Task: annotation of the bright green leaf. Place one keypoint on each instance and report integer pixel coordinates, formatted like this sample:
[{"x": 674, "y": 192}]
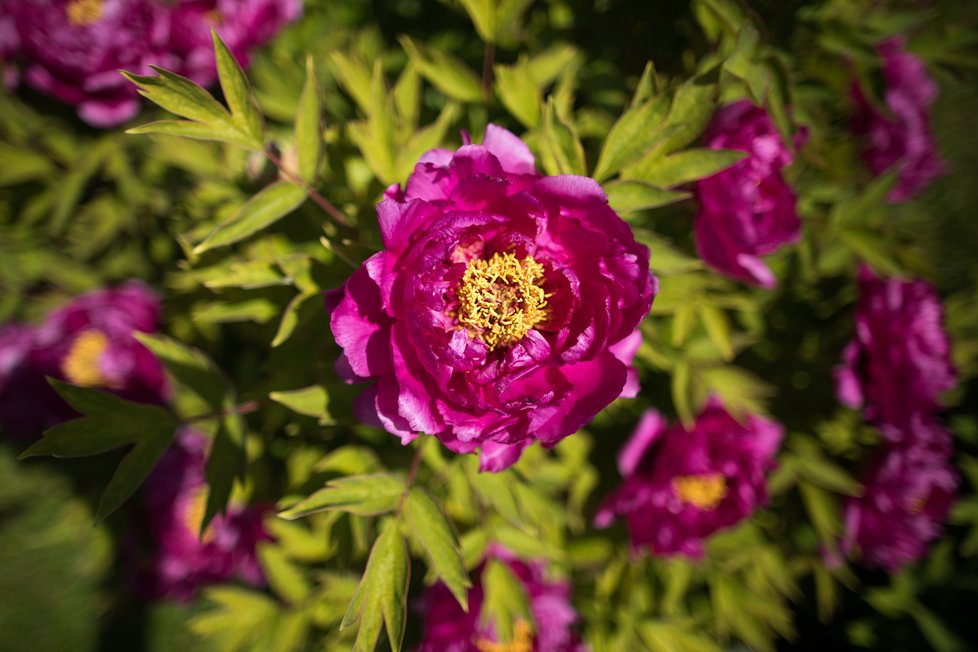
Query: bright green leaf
[
  {"x": 366, "y": 495},
  {"x": 432, "y": 530},
  {"x": 237, "y": 93},
  {"x": 264, "y": 209},
  {"x": 308, "y": 126}
]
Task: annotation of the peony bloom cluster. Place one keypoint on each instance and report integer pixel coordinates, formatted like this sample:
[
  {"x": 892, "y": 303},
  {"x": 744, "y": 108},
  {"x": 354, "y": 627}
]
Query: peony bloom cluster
[
  {"x": 88, "y": 342},
  {"x": 503, "y": 309},
  {"x": 175, "y": 498},
  {"x": 747, "y": 210},
  {"x": 74, "y": 49},
  {"x": 902, "y": 137},
  {"x": 682, "y": 485},
  {"x": 449, "y": 629},
  {"x": 895, "y": 368}
]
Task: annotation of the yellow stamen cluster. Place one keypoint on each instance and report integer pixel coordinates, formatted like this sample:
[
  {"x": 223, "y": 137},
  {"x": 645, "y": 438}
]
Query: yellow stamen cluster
[
  {"x": 704, "y": 492},
  {"x": 194, "y": 515},
  {"x": 501, "y": 299},
  {"x": 81, "y": 365},
  {"x": 522, "y": 640},
  {"x": 84, "y": 12}
]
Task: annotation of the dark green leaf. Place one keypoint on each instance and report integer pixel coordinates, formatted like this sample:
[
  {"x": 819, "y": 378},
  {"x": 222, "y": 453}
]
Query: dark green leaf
[
  {"x": 435, "y": 534},
  {"x": 237, "y": 92},
  {"x": 632, "y": 136}
]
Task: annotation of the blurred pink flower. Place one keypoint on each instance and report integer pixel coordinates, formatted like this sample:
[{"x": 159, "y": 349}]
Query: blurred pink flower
[
  {"x": 449, "y": 629},
  {"x": 682, "y": 485},
  {"x": 902, "y": 137},
  {"x": 503, "y": 309},
  {"x": 747, "y": 210},
  {"x": 88, "y": 342}
]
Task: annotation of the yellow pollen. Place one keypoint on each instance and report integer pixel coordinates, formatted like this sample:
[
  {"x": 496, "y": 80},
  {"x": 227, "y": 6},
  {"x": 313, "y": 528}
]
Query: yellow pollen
[
  {"x": 81, "y": 365},
  {"x": 522, "y": 640},
  {"x": 84, "y": 12},
  {"x": 704, "y": 492},
  {"x": 501, "y": 299},
  {"x": 194, "y": 515}
]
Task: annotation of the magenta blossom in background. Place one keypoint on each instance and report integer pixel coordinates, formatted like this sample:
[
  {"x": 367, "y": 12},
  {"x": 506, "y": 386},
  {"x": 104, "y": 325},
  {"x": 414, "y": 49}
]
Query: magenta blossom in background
[
  {"x": 899, "y": 361},
  {"x": 503, "y": 309},
  {"x": 682, "y": 485},
  {"x": 747, "y": 210},
  {"x": 88, "y": 342},
  {"x": 449, "y": 629},
  {"x": 908, "y": 493},
  {"x": 74, "y": 49},
  {"x": 903, "y": 137},
  {"x": 175, "y": 498}
]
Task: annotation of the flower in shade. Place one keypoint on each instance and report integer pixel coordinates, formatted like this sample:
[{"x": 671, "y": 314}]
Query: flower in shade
[
  {"x": 908, "y": 492},
  {"x": 449, "y": 629},
  {"x": 902, "y": 136},
  {"x": 899, "y": 361},
  {"x": 175, "y": 498},
  {"x": 503, "y": 309},
  {"x": 747, "y": 210},
  {"x": 74, "y": 49},
  {"x": 683, "y": 485},
  {"x": 88, "y": 342}
]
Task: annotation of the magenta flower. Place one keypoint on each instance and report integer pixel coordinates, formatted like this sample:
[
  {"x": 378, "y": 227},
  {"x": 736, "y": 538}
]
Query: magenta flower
[
  {"x": 503, "y": 309},
  {"x": 449, "y": 629},
  {"x": 908, "y": 494},
  {"x": 747, "y": 210},
  {"x": 74, "y": 49},
  {"x": 899, "y": 361},
  {"x": 901, "y": 138},
  {"x": 175, "y": 498},
  {"x": 88, "y": 342},
  {"x": 682, "y": 485}
]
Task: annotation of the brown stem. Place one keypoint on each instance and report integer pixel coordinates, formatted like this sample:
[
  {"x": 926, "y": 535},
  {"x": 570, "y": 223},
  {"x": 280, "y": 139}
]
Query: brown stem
[
  {"x": 241, "y": 410},
  {"x": 412, "y": 473},
  {"x": 488, "y": 55},
  {"x": 323, "y": 203}
]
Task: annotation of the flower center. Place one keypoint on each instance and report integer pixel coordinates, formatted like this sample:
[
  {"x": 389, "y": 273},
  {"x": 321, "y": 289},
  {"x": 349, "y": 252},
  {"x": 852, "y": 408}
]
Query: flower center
[
  {"x": 701, "y": 491},
  {"x": 83, "y": 12},
  {"x": 501, "y": 299},
  {"x": 522, "y": 640},
  {"x": 81, "y": 365}
]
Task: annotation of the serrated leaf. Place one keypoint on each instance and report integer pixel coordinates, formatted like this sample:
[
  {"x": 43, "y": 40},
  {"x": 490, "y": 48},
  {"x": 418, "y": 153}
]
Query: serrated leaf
[
  {"x": 237, "y": 93},
  {"x": 287, "y": 580},
  {"x": 630, "y": 195},
  {"x": 311, "y": 401},
  {"x": 179, "y": 95},
  {"x": 381, "y": 597},
  {"x": 445, "y": 72},
  {"x": 261, "y": 211},
  {"x": 432, "y": 530},
  {"x": 366, "y": 495},
  {"x": 308, "y": 126},
  {"x": 632, "y": 136},
  {"x": 519, "y": 92}
]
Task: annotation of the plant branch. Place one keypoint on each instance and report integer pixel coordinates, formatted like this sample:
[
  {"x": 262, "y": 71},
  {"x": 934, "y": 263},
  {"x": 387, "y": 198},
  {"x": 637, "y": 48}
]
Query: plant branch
[
  {"x": 323, "y": 203},
  {"x": 488, "y": 56},
  {"x": 412, "y": 473}
]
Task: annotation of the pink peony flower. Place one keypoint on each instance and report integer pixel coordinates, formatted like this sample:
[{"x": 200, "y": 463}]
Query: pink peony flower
[
  {"x": 449, "y": 629},
  {"x": 908, "y": 494},
  {"x": 747, "y": 210},
  {"x": 74, "y": 49},
  {"x": 175, "y": 498},
  {"x": 899, "y": 362},
  {"x": 682, "y": 485},
  {"x": 88, "y": 342},
  {"x": 503, "y": 309},
  {"x": 903, "y": 137}
]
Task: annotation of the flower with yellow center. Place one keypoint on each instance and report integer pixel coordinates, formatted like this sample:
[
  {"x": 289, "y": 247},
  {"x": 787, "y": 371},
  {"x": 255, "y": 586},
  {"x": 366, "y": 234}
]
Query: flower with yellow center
[
  {"x": 522, "y": 640},
  {"x": 501, "y": 299},
  {"x": 82, "y": 364},
  {"x": 704, "y": 491},
  {"x": 84, "y": 12}
]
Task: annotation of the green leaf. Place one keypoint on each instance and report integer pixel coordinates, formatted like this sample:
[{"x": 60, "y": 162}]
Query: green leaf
[
  {"x": 820, "y": 471},
  {"x": 548, "y": 65},
  {"x": 630, "y": 195},
  {"x": 382, "y": 594},
  {"x": 237, "y": 92},
  {"x": 432, "y": 530},
  {"x": 632, "y": 137},
  {"x": 258, "y": 310},
  {"x": 519, "y": 92},
  {"x": 718, "y": 329},
  {"x": 264, "y": 209},
  {"x": 822, "y": 510},
  {"x": 179, "y": 95},
  {"x": 688, "y": 165},
  {"x": 682, "y": 393},
  {"x": 646, "y": 86},
  {"x": 561, "y": 139},
  {"x": 109, "y": 422},
  {"x": 219, "y": 131},
  {"x": 366, "y": 495},
  {"x": 354, "y": 76},
  {"x": 308, "y": 126},
  {"x": 506, "y": 601},
  {"x": 311, "y": 401},
  {"x": 287, "y": 580},
  {"x": 872, "y": 247},
  {"x": 445, "y": 72},
  {"x": 691, "y": 110}
]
